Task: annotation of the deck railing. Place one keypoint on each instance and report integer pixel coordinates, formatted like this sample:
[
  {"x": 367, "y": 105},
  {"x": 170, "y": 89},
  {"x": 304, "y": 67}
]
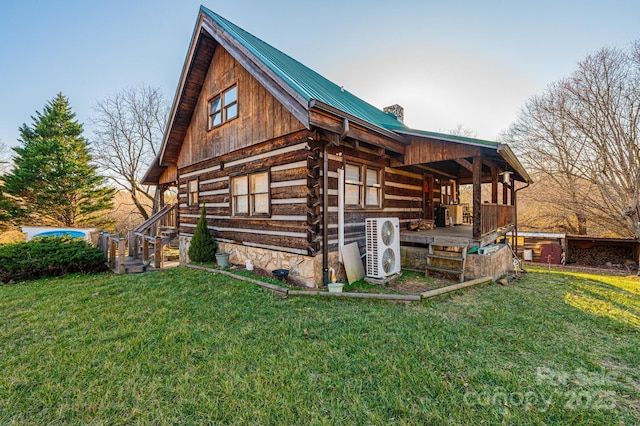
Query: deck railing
[{"x": 496, "y": 216}]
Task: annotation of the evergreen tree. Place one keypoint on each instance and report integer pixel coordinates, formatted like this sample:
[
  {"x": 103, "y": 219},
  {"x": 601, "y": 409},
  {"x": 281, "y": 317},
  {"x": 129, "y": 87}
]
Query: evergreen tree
[
  {"x": 203, "y": 246},
  {"x": 53, "y": 181}
]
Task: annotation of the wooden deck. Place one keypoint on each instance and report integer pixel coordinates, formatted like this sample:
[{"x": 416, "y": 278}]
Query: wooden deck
[
  {"x": 452, "y": 234},
  {"x": 460, "y": 233}
]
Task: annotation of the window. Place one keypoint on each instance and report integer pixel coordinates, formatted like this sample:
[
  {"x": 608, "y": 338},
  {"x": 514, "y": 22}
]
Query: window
[
  {"x": 352, "y": 185},
  {"x": 373, "y": 188},
  {"x": 223, "y": 107},
  {"x": 240, "y": 195},
  {"x": 192, "y": 191},
  {"x": 361, "y": 192},
  {"x": 250, "y": 194}
]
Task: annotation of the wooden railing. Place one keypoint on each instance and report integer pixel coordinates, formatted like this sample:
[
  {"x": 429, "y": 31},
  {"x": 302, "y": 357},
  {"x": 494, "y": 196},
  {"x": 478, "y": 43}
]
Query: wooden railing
[
  {"x": 114, "y": 250},
  {"x": 158, "y": 244},
  {"x": 496, "y": 216},
  {"x": 164, "y": 218}
]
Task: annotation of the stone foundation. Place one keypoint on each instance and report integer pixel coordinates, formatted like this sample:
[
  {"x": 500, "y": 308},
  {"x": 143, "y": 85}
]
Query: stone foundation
[
  {"x": 306, "y": 269},
  {"x": 477, "y": 265}
]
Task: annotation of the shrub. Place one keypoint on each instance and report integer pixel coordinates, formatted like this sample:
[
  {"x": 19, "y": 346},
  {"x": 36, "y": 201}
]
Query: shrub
[
  {"x": 203, "y": 246},
  {"x": 49, "y": 256}
]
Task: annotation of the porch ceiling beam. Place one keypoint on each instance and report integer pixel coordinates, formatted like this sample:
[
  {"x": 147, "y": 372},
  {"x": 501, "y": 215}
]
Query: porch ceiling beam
[
  {"x": 490, "y": 164},
  {"x": 469, "y": 180},
  {"x": 436, "y": 171},
  {"x": 464, "y": 163}
]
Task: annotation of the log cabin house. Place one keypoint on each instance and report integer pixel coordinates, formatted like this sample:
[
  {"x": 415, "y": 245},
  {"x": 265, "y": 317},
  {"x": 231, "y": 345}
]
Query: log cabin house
[{"x": 260, "y": 138}]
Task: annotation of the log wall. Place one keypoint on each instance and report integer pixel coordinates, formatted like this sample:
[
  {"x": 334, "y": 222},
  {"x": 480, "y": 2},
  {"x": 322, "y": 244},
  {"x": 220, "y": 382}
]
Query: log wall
[
  {"x": 286, "y": 228},
  {"x": 402, "y": 194}
]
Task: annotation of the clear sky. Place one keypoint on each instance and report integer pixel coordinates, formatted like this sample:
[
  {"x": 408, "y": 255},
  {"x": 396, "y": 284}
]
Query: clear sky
[{"x": 454, "y": 62}]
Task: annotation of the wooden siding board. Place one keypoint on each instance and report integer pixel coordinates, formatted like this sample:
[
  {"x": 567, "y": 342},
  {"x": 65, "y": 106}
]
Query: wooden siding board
[{"x": 256, "y": 112}]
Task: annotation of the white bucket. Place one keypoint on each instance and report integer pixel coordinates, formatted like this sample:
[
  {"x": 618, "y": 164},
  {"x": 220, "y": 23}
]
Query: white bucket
[{"x": 335, "y": 287}]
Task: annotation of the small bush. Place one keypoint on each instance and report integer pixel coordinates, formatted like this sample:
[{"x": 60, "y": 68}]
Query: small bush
[
  {"x": 203, "y": 246},
  {"x": 48, "y": 256}
]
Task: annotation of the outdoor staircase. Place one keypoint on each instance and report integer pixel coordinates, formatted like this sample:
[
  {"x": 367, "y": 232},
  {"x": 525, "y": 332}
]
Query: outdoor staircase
[
  {"x": 148, "y": 238},
  {"x": 448, "y": 257},
  {"x": 154, "y": 219}
]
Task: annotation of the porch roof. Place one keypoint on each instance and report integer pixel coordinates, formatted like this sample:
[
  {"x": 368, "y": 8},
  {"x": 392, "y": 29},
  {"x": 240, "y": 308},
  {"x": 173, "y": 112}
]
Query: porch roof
[{"x": 452, "y": 152}]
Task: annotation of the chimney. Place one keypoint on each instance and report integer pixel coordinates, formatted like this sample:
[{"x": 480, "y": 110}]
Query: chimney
[{"x": 396, "y": 110}]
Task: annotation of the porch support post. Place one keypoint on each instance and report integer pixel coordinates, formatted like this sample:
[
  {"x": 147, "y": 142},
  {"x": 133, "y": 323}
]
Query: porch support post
[
  {"x": 513, "y": 193},
  {"x": 477, "y": 197},
  {"x": 504, "y": 195},
  {"x": 494, "y": 185}
]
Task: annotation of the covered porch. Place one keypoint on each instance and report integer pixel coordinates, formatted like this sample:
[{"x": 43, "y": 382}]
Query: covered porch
[{"x": 469, "y": 188}]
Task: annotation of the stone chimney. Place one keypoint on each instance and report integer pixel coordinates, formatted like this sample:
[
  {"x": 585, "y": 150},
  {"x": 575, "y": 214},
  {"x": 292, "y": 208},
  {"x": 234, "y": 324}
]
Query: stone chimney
[{"x": 396, "y": 110}]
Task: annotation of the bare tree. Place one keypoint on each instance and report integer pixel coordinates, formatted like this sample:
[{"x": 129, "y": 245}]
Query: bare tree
[
  {"x": 4, "y": 159},
  {"x": 460, "y": 130},
  {"x": 128, "y": 129},
  {"x": 581, "y": 137}
]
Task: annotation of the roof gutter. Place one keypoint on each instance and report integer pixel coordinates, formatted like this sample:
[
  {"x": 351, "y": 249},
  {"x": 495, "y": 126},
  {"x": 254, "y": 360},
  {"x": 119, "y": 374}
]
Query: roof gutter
[
  {"x": 444, "y": 138},
  {"x": 314, "y": 103},
  {"x": 508, "y": 155}
]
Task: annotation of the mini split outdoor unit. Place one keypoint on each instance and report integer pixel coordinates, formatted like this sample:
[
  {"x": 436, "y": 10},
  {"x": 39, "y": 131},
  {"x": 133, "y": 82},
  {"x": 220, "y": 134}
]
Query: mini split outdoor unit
[{"x": 383, "y": 247}]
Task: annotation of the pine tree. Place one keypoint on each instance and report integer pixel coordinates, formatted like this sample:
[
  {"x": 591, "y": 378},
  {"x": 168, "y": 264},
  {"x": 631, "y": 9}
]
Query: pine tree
[
  {"x": 203, "y": 246},
  {"x": 53, "y": 181}
]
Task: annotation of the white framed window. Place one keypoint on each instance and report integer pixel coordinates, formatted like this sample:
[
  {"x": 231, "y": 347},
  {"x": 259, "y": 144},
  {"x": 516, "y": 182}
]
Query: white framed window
[
  {"x": 250, "y": 194},
  {"x": 362, "y": 186},
  {"x": 223, "y": 107},
  {"x": 240, "y": 195}
]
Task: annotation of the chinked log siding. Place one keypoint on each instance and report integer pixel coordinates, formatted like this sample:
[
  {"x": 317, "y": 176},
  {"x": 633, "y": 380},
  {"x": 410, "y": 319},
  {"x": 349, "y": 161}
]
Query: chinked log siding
[
  {"x": 402, "y": 194},
  {"x": 286, "y": 228}
]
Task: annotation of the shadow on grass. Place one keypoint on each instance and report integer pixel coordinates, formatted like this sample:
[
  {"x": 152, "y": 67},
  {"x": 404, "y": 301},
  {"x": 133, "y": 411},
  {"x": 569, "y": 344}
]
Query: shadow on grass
[{"x": 615, "y": 297}]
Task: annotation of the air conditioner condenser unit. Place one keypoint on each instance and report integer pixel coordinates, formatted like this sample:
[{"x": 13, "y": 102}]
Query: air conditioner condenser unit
[{"x": 383, "y": 246}]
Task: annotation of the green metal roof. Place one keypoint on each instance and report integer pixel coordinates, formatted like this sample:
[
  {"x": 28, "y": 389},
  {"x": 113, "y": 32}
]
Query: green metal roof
[
  {"x": 452, "y": 138},
  {"x": 305, "y": 81}
]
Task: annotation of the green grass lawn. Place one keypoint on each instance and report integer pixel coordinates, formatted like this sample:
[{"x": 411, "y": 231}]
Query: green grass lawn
[{"x": 187, "y": 347}]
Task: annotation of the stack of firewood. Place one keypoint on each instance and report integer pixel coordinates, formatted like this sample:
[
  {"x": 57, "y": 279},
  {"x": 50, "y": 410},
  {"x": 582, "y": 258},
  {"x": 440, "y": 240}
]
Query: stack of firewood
[{"x": 601, "y": 257}]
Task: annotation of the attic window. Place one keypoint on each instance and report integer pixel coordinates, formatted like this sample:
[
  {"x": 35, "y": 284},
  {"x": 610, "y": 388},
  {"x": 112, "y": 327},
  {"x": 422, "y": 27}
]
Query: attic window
[{"x": 223, "y": 107}]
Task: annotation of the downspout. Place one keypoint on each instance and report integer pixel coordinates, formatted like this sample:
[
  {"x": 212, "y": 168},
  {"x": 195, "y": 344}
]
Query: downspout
[
  {"x": 340, "y": 213},
  {"x": 515, "y": 214},
  {"x": 325, "y": 200},
  {"x": 325, "y": 214}
]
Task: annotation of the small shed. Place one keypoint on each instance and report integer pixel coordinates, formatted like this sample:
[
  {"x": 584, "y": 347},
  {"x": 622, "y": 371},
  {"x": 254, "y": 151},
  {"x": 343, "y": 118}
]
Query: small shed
[
  {"x": 535, "y": 242},
  {"x": 601, "y": 252}
]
